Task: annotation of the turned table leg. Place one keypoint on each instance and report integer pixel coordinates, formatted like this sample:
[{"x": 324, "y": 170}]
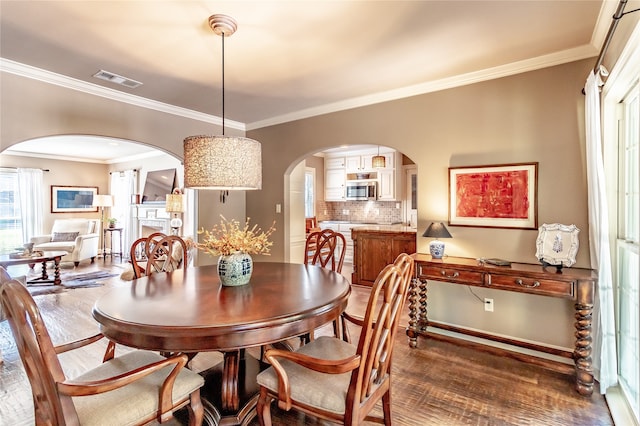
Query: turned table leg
[
  {"x": 582, "y": 352},
  {"x": 44, "y": 276},
  {"x": 413, "y": 314},
  {"x": 417, "y": 311},
  {"x": 56, "y": 270}
]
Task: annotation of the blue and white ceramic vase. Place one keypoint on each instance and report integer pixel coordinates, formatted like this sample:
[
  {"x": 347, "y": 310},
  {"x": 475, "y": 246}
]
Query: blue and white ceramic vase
[{"x": 235, "y": 269}]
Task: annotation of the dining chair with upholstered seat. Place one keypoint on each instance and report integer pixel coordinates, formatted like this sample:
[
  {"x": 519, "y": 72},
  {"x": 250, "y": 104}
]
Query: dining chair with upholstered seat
[
  {"x": 335, "y": 380},
  {"x": 166, "y": 255},
  {"x": 139, "y": 252},
  {"x": 158, "y": 253},
  {"x": 326, "y": 248},
  {"x": 135, "y": 388},
  {"x": 405, "y": 263}
]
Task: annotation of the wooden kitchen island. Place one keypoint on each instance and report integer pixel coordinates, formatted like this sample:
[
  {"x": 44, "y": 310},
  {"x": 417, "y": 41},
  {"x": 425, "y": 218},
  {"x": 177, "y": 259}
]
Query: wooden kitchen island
[{"x": 376, "y": 246}]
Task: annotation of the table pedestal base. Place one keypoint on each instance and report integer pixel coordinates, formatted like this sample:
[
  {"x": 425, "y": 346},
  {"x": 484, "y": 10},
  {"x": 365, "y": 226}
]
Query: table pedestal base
[{"x": 230, "y": 392}]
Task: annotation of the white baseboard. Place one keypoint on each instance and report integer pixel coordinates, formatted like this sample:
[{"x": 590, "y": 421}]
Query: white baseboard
[{"x": 619, "y": 408}]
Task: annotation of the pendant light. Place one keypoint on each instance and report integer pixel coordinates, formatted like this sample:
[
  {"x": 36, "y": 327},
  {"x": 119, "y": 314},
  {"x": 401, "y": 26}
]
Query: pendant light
[
  {"x": 222, "y": 162},
  {"x": 378, "y": 161}
]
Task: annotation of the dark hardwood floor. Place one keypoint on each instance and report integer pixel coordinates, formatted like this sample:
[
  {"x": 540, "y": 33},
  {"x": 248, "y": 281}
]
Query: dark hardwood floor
[{"x": 442, "y": 382}]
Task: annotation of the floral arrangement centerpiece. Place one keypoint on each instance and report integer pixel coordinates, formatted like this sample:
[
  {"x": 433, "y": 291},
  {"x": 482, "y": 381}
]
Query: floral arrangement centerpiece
[{"x": 235, "y": 244}]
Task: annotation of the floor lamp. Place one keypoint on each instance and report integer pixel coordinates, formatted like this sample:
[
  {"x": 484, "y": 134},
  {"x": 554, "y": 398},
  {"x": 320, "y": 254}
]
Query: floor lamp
[{"x": 102, "y": 201}]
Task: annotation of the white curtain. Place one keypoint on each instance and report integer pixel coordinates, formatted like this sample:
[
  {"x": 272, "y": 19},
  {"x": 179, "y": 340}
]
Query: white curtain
[
  {"x": 604, "y": 348},
  {"x": 123, "y": 187},
  {"x": 30, "y": 183}
]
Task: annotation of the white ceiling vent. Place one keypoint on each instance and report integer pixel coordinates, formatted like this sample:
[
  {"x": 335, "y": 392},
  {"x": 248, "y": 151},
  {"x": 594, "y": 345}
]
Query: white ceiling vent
[{"x": 118, "y": 79}]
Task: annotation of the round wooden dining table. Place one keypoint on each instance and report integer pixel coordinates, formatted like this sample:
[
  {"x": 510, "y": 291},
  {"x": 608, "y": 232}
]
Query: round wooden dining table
[{"x": 189, "y": 311}]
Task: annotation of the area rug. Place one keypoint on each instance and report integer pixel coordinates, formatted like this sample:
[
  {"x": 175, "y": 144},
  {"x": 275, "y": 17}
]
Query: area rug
[
  {"x": 87, "y": 279},
  {"x": 72, "y": 281}
]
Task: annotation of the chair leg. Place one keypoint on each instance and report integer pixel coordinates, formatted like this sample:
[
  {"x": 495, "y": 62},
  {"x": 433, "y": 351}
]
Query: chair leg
[
  {"x": 195, "y": 409},
  {"x": 346, "y": 336},
  {"x": 386, "y": 407},
  {"x": 264, "y": 407}
]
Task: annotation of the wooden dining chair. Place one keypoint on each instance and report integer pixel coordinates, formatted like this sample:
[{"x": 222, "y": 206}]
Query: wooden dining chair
[
  {"x": 334, "y": 380},
  {"x": 135, "y": 388},
  {"x": 310, "y": 224},
  {"x": 325, "y": 248},
  {"x": 405, "y": 263},
  {"x": 140, "y": 250},
  {"x": 166, "y": 255},
  {"x": 158, "y": 253}
]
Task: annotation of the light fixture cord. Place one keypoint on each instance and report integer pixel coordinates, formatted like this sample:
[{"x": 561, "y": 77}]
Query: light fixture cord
[{"x": 223, "y": 83}]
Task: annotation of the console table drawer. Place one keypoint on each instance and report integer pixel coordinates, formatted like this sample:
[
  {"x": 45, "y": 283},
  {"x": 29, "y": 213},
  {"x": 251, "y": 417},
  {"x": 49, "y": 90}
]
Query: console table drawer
[
  {"x": 450, "y": 274},
  {"x": 531, "y": 285}
]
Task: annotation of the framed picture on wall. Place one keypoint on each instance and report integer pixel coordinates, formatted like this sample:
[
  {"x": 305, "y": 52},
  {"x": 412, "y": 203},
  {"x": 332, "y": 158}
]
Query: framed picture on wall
[
  {"x": 557, "y": 244},
  {"x": 494, "y": 196},
  {"x": 71, "y": 199}
]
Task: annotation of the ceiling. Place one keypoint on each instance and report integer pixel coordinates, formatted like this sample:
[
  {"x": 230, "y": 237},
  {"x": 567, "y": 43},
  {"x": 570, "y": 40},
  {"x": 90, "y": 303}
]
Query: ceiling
[{"x": 295, "y": 59}]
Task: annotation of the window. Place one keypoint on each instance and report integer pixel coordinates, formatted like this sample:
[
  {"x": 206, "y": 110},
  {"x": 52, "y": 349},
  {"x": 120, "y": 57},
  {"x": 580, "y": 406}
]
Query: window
[
  {"x": 309, "y": 192},
  {"x": 628, "y": 250},
  {"x": 10, "y": 218}
]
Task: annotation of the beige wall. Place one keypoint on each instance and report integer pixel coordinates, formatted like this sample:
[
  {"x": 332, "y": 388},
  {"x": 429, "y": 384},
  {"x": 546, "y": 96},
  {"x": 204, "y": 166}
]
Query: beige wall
[
  {"x": 531, "y": 117},
  {"x": 535, "y": 116},
  {"x": 33, "y": 109},
  {"x": 64, "y": 173}
]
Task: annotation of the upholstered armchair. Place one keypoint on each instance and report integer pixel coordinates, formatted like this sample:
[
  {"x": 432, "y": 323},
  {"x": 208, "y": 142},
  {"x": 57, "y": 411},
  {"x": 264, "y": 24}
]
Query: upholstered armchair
[{"x": 80, "y": 238}]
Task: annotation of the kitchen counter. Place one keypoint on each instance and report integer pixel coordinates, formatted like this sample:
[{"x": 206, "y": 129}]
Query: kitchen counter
[
  {"x": 384, "y": 228},
  {"x": 345, "y": 227}
]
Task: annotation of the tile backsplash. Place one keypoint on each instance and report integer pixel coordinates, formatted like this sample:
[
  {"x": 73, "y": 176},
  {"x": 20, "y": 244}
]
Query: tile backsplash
[{"x": 360, "y": 211}]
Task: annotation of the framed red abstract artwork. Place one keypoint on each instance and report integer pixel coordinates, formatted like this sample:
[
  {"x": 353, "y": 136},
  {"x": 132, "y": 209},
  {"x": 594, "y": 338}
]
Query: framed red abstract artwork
[{"x": 495, "y": 196}]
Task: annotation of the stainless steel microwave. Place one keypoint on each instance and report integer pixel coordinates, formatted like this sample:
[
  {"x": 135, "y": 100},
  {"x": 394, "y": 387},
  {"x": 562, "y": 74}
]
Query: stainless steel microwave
[{"x": 362, "y": 190}]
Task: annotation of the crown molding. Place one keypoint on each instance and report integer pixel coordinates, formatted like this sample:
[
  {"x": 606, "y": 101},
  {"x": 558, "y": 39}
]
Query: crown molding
[
  {"x": 45, "y": 76},
  {"x": 557, "y": 58},
  {"x": 145, "y": 156}
]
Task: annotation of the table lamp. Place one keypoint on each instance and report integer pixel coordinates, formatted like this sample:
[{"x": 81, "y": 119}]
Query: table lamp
[
  {"x": 175, "y": 205},
  {"x": 436, "y": 247}
]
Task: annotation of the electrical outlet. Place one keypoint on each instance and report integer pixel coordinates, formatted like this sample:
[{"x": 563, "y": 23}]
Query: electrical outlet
[{"x": 488, "y": 305}]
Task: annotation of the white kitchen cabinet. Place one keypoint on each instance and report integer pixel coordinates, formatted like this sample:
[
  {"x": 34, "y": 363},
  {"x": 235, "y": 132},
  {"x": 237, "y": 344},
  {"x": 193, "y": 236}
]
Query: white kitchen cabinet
[
  {"x": 359, "y": 163},
  {"x": 334, "y": 182},
  {"x": 390, "y": 179},
  {"x": 334, "y": 163},
  {"x": 386, "y": 185},
  {"x": 389, "y": 160},
  {"x": 345, "y": 229}
]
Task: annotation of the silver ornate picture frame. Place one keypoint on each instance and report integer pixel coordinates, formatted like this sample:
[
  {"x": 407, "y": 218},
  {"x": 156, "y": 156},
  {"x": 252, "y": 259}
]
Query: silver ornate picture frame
[{"x": 557, "y": 244}]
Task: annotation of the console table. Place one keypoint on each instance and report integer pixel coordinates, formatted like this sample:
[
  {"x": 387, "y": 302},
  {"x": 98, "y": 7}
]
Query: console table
[{"x": 570, "y": 283}]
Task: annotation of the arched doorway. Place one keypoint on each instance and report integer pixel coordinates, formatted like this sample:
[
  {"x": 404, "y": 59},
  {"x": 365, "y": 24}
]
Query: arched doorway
[
  {"x": 91, "y": 161},
  {"x": 391, "y": 210}
]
